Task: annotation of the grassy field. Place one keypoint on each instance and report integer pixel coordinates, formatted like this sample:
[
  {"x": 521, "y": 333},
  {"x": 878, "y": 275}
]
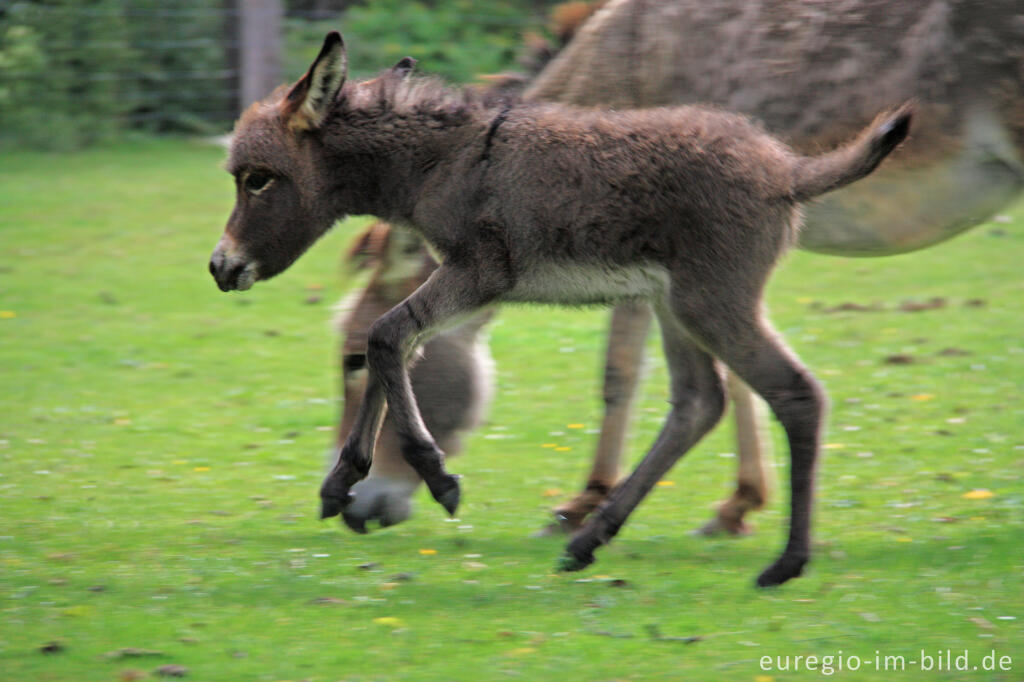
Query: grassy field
[{"x": 162, "y": 443}]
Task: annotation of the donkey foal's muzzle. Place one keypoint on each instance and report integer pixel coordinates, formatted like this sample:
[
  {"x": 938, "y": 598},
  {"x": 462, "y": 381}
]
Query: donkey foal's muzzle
[{"x": 231, "y": 272}]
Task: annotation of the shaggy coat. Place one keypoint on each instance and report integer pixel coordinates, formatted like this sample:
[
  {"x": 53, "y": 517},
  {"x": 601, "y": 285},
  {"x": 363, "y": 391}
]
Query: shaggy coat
[{"x": 685, "y": 207}]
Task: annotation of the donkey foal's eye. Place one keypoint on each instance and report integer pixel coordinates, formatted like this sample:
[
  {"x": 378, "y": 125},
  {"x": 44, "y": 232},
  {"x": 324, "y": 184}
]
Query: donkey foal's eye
[{"x": 254, "y": 182}]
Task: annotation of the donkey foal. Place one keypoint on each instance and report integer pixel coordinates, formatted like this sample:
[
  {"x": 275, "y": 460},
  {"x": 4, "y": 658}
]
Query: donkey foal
[{"x": 685, "y": 207}]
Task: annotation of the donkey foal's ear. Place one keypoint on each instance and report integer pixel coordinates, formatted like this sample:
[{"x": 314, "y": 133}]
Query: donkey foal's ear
[{"x": 306, "y": 104}]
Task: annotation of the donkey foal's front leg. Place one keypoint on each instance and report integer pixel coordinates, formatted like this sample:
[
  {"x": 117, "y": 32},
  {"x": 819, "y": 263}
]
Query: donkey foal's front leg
[
  {"x": 444, "y": 296},
  {"x": 353, "y": 462}
]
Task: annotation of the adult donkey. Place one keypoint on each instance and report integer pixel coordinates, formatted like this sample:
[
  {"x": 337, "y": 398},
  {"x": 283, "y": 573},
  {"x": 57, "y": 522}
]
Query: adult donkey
[
  {"x": 811, "y": 72},
  {"x": 685, "y": 207}
]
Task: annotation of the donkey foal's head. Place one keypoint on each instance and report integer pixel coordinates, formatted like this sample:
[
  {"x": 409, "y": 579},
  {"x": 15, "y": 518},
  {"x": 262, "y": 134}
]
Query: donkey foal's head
[{"x": 282, "y": 190}]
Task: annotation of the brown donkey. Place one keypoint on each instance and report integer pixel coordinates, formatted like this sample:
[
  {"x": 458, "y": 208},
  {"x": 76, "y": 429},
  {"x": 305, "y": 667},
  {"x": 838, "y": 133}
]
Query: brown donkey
[{"x": 685, "y": 207}]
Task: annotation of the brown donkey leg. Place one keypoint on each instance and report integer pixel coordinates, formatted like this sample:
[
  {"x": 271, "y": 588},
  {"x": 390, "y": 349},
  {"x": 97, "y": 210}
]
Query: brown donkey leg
[
  {"x": 630, "y": 324},
  {"x": 355, "y": 455},
  {"x": 747, "y": 344},
  {"x": 698, "y": 401},
  {"x": 753, "y": 482}
]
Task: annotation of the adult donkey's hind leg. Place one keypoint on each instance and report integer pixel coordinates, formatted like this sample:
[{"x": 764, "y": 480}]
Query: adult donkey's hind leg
[
  {"x": 698, "y": 401},
  {"x": 447, "y": 295},
  {"x": 753, "y": 449},
  {"x": 630, "y": 322}
]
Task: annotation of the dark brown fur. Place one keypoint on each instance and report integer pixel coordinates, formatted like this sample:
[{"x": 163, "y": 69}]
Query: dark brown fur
[
  {"x": 814, "y": 74},
  {"x": 686, "y": 207}
]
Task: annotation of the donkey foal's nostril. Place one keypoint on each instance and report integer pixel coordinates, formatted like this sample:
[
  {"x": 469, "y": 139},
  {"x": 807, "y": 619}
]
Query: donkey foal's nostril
[{"x": 233, "y": 274}]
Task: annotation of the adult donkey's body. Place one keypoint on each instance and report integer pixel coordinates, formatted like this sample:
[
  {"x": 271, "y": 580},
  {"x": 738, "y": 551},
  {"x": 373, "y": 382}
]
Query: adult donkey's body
[
  {"x": 811, "y": 72},
  {"x": 685, "y": 207}
]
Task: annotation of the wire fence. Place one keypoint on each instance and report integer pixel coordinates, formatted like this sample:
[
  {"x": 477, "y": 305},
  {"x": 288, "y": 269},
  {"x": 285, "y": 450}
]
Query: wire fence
[{"x": 74, "y": 71}]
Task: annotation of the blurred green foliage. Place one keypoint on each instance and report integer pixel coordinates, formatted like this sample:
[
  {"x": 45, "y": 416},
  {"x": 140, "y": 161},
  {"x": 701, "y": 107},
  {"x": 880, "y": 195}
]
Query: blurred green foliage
[
  {"x": 50, "y": 60},
  {"x": 456, "y": 39},
  {"x": 77, "y": 72}
]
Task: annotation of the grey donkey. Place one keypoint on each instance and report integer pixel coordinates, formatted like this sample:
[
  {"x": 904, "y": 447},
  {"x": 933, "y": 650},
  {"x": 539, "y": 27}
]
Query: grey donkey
[
  {"x": 685, "y": 207},
  {"x": 452, "y": 379}
]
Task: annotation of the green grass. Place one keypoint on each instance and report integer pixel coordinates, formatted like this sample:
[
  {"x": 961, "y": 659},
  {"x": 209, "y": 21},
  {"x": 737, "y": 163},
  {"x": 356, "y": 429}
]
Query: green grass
[{"x": 161, "y": 446}]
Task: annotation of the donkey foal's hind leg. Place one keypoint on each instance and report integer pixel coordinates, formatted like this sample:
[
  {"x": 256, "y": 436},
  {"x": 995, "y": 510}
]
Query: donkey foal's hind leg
[
  {"x": 698, "y": 401},
  {"x": 747, "y": 344}
]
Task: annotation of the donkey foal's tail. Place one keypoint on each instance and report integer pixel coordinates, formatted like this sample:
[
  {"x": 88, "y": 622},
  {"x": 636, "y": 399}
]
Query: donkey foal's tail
[{"x": 819, "y": 174}]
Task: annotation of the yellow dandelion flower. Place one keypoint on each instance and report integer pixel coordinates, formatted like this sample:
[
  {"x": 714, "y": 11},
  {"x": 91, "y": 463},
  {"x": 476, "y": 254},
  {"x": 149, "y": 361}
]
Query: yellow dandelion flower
[
  {"x": 7, "y": 314},
  {"x": 666, "y": 484},
  {"x": 979, "y": 494},
  {"x": 201, "y": 469},
  {"x": 564, "y": 448},
  {"x": 574, "y": 426},
  {"x": 922, "y": 397},
  {"x": 390, "y": 621},
  {"x": 428, "y": 552}
]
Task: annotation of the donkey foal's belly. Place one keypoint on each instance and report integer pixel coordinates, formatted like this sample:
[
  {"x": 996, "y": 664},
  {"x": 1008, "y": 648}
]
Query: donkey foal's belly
[{"x": 587, "y": 284}]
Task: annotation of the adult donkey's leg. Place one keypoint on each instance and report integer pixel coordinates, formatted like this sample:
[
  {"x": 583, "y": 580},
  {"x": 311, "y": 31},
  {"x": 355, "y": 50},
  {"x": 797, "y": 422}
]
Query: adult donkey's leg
[
  {"x": 698, "y": 401},
  {"x": 753, "y": 482},
  {"x": 448, "y": 294},
  {"x": 630, "y": 324}
]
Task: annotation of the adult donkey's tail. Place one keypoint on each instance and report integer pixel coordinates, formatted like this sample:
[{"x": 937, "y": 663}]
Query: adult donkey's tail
[{"x": 816, "y": 175}]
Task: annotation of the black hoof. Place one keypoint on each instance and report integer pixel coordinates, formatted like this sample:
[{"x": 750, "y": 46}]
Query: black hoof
[
  {"x": 335, "y": 492},
  {"x": 570, "y": 563},
  {"x": 782, "y": 570},
  {"x": 329, "y": 507},
  {"x": 447, "y": 493},
  {"x": 333, "y": 503}
]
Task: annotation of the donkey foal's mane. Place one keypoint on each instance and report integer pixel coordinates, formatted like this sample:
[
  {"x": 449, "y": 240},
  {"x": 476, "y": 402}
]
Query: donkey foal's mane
[{"x": 419, "y": 95}]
